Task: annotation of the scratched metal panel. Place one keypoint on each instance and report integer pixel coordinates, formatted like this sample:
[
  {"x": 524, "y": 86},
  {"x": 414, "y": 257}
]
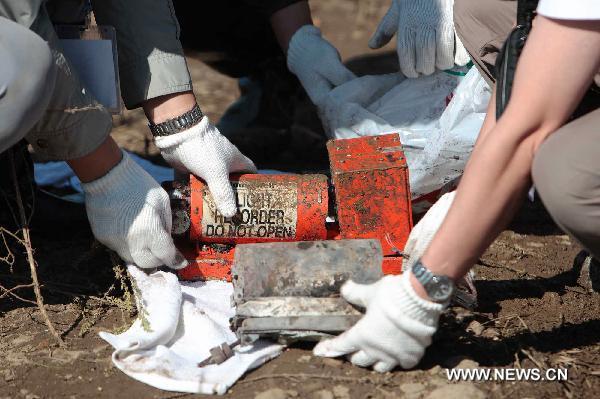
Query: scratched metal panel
[{"x": 306, "y": 268}]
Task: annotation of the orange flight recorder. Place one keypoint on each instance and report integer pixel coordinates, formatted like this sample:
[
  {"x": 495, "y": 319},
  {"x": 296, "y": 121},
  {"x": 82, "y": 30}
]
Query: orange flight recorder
[{"x": 366, "y": 195}]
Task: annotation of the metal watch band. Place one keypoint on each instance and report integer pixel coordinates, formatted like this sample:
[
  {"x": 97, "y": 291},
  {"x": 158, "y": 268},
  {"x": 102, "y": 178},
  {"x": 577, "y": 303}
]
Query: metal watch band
[
  {"x": 439, "y": 288},
  {"x": 178, "y": 124}
]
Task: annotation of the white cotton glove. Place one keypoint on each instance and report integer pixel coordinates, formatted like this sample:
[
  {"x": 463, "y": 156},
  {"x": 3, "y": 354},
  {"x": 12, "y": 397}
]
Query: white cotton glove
[
  {"x": 130, "y": 213},
  {"x": 395, "y": 330},
  {"x": 316, "y": 63},
  {"x": 425, "y": 36},
  {"x": 205, "y": 152}
]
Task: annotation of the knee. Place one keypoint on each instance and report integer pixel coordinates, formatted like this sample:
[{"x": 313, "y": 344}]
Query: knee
[
  {"x": 38, "y": 79},
  {"x": 27, "y": 81},
  {"x": 567, "y": 191},
  {"x": 467, "y": 11}
]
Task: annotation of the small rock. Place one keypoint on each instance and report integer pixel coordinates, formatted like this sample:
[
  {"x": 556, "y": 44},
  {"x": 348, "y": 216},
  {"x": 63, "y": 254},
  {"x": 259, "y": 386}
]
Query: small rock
[
  {"x": 475, "y": 327},
  {"x": 276, "y": 393},
  {"x": 341, "y": 392},
  {"x": 412, "y": 387},
  {"x": 536, "y": 244},
  {"x": 438, "y": 382},
  {"x": 332, "y": 362},
  {"x": 323, "y": 394},
  {"x": 304, "y": 359},
  {"x": 452, "y": 362},
  {"x": 491, "y": 333},
  {"x": 457, "y": 391},
  {"x": 28, "y": 395},
  {"x": 21, "y": 339},
  {"x": 67, "y": 377},
  {"x": 8, "y": 375},
  {"x": 467, "y": 364},
  {"x": 100, "y": 348},
  {"x": 66, "y": 356},
  {"x": 462, "y": 314},
  {"x": 589, "y": 276},
  {"x": 435, "y": 370}
]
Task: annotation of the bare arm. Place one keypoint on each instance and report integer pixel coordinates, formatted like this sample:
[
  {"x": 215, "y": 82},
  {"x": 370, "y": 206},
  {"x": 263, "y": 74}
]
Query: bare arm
[
  {"x": 557, "y": 66},
  {"x": 98, "y": 163},
  {"x": 288, "y": 20},
  {"x": 490, "y": 118}
]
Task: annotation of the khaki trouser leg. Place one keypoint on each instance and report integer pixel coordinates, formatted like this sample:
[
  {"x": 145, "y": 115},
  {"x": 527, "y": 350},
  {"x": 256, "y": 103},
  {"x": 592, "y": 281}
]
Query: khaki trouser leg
[
  {"x": 566, "y": 173},
  {"x": 151, "y": 60},
  {"x": 483, "y": 26}
]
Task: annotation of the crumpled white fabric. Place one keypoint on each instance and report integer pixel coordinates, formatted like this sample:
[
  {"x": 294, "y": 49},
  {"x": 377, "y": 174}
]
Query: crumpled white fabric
[
  {"x": 438, "y": 134},
  {"x": 178, "y": 323}
]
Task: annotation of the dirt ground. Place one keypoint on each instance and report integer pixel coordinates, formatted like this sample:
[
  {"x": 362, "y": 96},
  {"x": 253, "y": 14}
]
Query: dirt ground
[{"x": 531, "y": 313}]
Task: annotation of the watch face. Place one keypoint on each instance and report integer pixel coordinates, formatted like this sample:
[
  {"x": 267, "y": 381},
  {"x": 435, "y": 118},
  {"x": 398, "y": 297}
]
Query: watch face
[{"x": 442, "y": 288}]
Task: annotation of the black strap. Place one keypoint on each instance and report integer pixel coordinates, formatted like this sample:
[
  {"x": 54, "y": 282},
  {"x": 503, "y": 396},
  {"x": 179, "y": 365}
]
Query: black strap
[{"x": 506, "y": 63}]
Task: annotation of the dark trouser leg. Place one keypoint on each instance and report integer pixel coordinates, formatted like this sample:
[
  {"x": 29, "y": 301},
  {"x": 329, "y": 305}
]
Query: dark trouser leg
[
  {"x": 230, "y": 36},
  {"x": 236, "y": 39}
]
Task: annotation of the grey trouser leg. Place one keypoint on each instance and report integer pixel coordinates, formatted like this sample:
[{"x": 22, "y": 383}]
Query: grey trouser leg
[
  {"x": 27, "y": 74},
  {"x": 74, "y": 123},
  {"x": 566, "y": 173},
  {"x": 151, "y": 60},
  {"x": 483, "y": 26}
]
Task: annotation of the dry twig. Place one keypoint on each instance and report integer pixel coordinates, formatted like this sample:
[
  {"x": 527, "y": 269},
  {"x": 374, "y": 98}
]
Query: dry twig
[
  {"x": 10, "y": 292},
  {"x": 26, "y": 242}
]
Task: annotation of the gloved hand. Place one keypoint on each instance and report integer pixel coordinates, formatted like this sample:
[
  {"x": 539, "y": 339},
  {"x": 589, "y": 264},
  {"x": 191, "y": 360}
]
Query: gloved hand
[
  {"x": 130, "y": 213},
  {"x": 425, "y": 36},
  {"x": 396, "y": 328},
  {"x": 316, "y": 63},
  {"x": 205, "y": 152}
]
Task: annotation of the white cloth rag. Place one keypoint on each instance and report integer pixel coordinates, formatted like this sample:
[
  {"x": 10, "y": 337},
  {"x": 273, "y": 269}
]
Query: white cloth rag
[{"x": 178, "y": 323}]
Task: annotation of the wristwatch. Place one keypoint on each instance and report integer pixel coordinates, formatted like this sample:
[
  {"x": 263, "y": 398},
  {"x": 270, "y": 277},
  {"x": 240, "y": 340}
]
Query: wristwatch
[
  {"x": 179, "y": 124},
  {"x": 439, "y": 288}
]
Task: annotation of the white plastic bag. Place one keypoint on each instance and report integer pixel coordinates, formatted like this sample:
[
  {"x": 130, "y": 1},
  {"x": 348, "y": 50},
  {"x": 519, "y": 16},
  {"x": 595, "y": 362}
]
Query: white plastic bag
[{"x": 437, "y": 136}]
